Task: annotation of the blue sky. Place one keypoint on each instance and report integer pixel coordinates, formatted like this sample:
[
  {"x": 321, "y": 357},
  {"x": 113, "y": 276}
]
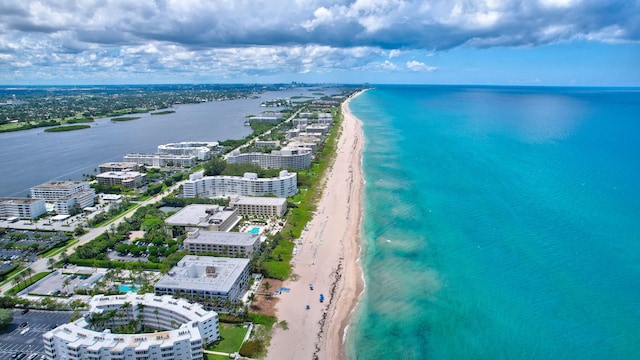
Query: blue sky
[{"x": 511, "y": 42}]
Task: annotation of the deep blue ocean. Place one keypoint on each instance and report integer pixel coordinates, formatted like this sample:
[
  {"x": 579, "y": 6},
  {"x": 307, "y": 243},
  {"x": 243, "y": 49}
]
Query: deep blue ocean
[{"x": 499, "y": 223}]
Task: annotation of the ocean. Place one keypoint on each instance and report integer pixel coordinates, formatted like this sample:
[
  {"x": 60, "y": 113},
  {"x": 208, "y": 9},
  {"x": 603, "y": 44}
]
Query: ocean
[{"x": 499, "y": 223}]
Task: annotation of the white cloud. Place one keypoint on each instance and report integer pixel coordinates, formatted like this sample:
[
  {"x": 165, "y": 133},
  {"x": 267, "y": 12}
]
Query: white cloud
[
  {"x": 394, "y": 53},
  {"x": 232, "y": 36},
  {"x": 419, "y": 66}
]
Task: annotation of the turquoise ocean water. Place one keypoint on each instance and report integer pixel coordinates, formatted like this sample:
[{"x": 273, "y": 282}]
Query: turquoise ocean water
[{"x": 500, "y": 223}]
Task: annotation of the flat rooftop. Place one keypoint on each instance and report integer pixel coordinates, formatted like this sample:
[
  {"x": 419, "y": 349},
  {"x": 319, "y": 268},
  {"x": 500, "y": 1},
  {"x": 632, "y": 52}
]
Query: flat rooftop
[
  {"x": 119, "y": 164},
  {"x": 199, "y": 215},
  {"x": 19, "y": 201},
  {"x": 61, "y": 185},
  {"x": 190, "y": 273},
  {"x": 224, "y": 238},
  {"x": 119, "y": 174}
]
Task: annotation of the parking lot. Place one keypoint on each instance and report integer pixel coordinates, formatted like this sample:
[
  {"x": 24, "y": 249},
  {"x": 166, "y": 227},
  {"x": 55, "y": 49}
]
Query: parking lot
[
  {"x": 59, "y": 283},
  {"x": 28, "y": 338}
]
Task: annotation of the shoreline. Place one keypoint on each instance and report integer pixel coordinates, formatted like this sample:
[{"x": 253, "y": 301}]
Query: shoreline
[{"x": 327, "y": 257}]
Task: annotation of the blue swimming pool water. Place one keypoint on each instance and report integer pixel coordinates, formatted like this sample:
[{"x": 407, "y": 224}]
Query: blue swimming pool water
[
  {"x": 255, "y": 230},
  {"x": 128, "y": 288}
]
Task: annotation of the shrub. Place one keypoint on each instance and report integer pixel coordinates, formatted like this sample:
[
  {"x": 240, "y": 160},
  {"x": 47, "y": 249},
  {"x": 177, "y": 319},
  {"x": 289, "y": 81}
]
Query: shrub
[{"x": 251, "y": 348}]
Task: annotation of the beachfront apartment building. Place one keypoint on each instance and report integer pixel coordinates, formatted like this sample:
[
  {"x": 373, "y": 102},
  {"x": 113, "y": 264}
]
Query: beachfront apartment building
[
  {"x": 326, "y": 116},
  {"x": 206, "y": 277},
  {"x": 118, "y": 166},
  {"x": 317, "y": 129},
  {"x": 125, "y": 179},
  {"x": 250, "y": 184},
  {"x": 232, "y": 244},
  {"x": 161, "y": 160},
  {"x": 305, "y": 136},
  {"x": 286, "y": 158},
  {"x": 201, "y": 149},
  {"x": 293, "y": 133},
  {"x": 21, "y": 208},
  {"x": 202, "y": 216},
  {"x": 183, "y": 329},
  {"x": 303, "y": 145},
  {"x": 261, "y": 206},
  {"x": 300, "y": 123},
  {"x": 65, "y": 195}
]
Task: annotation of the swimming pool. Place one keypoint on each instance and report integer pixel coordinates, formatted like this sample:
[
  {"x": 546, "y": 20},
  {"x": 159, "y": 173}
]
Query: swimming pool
[
  {"x": 255, "y": 230},
  {"x": 128, "y": 288}
]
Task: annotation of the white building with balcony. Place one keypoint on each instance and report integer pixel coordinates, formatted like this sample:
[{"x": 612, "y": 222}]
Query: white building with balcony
[
  {"x": 201, "y": 149},
  {"x": 21, "y": 208},
  {"x": 206, "y": 277},
  {"x": 286, "y": 158},
  {"x": 232, "y": 244},
  {"x": 65, "y": 195},
  {"x": 125, "y": 179},
  {"x": 118, "y": 166},
  {"x": 250, "y": 184},
  {"x": 204, "y": 217},
  {"x": 264, "y": 206},
  {"x": 183, "y": 329},
  {"x": 162, "y": 160}
]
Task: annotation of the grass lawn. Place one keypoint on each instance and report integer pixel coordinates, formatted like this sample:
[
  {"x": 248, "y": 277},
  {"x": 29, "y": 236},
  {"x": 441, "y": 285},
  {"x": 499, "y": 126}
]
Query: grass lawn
[
  {"x": 132, "y": 207},
  {"x": 12, "y": 274},
  {"x": 57, "y": 250},
  {"x": 231, "y": 335},
  {"x": 27, "y": 282},
  {"x": 10, "y": 126}
]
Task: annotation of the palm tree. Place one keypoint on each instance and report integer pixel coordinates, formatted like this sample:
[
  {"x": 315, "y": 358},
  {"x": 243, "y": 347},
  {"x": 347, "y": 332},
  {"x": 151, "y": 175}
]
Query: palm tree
[
  {"x": 66, "y": 283},
  {"x": 140, "y": 309},
  {"x": 266, "y": 286},
  {"x": 245, "y": 312},
  {"x": 16, "y": 280},
  {"x": 126, "y": 306},
  {"x": 29, "y": 272},
  {"x": 228, "y": 305}
]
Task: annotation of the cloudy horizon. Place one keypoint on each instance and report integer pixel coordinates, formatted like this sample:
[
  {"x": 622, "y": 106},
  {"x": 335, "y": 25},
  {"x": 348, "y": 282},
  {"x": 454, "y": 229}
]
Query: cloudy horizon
[{"x": 545, "y": 42}]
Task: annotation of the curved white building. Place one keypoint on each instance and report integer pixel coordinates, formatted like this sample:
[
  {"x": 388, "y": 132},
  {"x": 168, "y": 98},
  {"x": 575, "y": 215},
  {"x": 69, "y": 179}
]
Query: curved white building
[
  {"x": 183, "y": 330},
  {"x": 196, "y": 148},
  {"x": 250, "y": 184}
]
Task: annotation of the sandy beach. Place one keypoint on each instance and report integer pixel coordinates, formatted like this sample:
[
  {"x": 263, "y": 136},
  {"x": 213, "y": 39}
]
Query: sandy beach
[{"x": 326, "y": 258}]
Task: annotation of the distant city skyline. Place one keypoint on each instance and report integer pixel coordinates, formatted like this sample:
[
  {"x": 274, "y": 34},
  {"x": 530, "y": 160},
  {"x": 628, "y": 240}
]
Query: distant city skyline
[{"x": 492, "y": 42}]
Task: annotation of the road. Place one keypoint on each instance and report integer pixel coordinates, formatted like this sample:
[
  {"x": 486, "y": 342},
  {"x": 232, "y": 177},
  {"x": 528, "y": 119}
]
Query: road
[
  {"x": 289, "y": 119},
  {"x": 42, "y": 264}
]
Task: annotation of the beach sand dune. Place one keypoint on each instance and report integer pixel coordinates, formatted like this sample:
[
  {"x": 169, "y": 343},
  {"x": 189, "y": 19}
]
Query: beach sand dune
[{"x": 326, "y": 260}]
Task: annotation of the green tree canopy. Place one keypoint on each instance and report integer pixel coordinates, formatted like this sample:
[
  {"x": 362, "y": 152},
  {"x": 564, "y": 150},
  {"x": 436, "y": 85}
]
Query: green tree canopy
[
  {"x": 6, "y": 317},
  {"x": 214, "y": 166}
]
